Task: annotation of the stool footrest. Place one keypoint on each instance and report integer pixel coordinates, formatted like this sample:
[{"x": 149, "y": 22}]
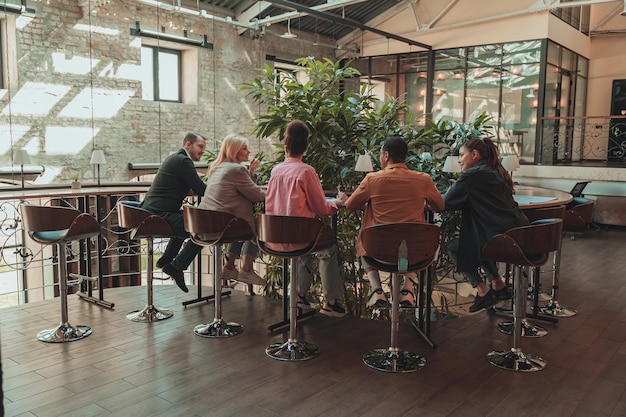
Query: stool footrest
[{"x": 78, "y": 279}]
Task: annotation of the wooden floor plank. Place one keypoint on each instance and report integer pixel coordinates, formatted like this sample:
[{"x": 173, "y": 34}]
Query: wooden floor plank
[{"x": 164, "y": 369}]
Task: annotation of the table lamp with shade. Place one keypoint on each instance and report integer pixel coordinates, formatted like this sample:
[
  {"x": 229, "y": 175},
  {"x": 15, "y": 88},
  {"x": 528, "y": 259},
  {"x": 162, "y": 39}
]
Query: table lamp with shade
[
  {"x": 97, "y": 159},
  {"x": 364, "y": 163},
  {"x": 451, "y": 164},
  {"x": 510, "y": 163},
  {"x": 21, "y": 158}
]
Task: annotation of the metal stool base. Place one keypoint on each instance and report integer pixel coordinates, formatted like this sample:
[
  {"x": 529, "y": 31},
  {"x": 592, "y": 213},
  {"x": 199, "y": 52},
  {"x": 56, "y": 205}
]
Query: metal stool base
[
  {"x": 399, "y": 361},
  {"x": 292, "y": 351},
  {"x": 64, "y": 333},
  {"x": 516, "y": 360},
  {"x": 149, "y": 314},
  {"x": 555, "y": 309},
  {"x": 218, "y": 328},
  {"x": 528, "y": 329}
]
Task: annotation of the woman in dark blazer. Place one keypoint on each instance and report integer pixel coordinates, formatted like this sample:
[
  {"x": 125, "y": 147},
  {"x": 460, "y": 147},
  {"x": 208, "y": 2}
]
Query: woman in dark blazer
[{"x": 484, "y": 195}]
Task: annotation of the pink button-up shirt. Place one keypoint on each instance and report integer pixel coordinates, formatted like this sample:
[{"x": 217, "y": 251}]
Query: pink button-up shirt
[{"x": 294, "y": 189}]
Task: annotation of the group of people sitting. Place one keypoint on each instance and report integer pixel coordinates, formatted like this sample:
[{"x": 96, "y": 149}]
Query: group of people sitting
[{"x": 483, "y": 192}]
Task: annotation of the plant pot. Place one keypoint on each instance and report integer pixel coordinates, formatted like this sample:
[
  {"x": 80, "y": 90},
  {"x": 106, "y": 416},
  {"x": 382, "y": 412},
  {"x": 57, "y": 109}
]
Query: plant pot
[{"x": 75, "y": 185}]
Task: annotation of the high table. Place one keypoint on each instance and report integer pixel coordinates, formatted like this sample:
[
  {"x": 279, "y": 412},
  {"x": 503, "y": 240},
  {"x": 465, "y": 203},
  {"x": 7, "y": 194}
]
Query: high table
[{"x": 528, "y": 197}]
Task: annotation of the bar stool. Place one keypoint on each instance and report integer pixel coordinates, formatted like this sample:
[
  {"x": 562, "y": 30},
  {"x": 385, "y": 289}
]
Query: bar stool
[
  {"x": 214, "y": 228},
  {"x": 525, "y": 247},
  {"x": 145, "y": 225},
  {"x": 578, "y": 216},
  {"x": 297, "y": 236},
  {"x": 398, "y": 248},
  {"x": 530, "y": 329},
  {"x": 575, "y": 220},
  {"x": 50, "y": 225}
]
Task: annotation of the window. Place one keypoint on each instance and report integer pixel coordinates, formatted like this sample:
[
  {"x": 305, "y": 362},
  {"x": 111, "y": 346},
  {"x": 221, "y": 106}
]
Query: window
[{"x": 161, "y": 70}]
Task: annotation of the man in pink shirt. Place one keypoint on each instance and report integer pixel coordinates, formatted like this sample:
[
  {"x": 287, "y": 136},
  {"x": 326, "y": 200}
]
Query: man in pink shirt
[{"x": 294, "y": 189}]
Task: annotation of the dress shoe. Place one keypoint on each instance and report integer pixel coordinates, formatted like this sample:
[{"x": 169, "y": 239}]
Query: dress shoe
[
  {"x": 483, "y": 301},
  {"x": 177, "y": 275},
  {"x": 502, "y": 294}
]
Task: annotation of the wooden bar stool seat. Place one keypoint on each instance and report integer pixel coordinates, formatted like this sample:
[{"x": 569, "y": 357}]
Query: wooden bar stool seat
[
  {"x": 292, "y": 237},
  {"x": 51, "y": 225},
  {"x": 524, "y": 247},
  {"x": 398, "y": 248},
  {"x": 214, "y": 228},
  {"x": 145, "y": 225}
]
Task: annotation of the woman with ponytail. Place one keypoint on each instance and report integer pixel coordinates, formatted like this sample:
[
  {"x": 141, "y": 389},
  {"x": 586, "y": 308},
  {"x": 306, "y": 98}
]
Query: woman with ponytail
[{"x": 484, "y": 195}]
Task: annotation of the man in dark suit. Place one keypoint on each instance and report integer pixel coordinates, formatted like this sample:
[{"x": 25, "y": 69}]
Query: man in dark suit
[{"x": 176, "y": 176}]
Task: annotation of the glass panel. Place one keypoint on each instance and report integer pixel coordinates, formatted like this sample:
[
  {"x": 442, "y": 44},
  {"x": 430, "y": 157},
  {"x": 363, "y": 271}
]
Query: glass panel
[
  {"x": 483, "y": 93},
  {"x": 485, "y": 56},
  {"x": 450, "y": 59},
  {"x": 448, "y": 96},
  {"x": 147, "y": 73},
  {"x": 579, "y": 110},
  {"x": 568, "y": 60},
  {"x": 521, "y": 52},
  {"x": 168, "y": 76},
  {"x": 583, "y": 66},
  {"x": 554, "y": 53},
  {"x": 417, "y": 83}
]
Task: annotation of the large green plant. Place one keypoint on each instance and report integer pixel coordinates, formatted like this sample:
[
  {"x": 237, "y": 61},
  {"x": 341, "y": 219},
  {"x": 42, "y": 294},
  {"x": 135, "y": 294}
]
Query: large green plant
[{"x": 343, "y": 125}]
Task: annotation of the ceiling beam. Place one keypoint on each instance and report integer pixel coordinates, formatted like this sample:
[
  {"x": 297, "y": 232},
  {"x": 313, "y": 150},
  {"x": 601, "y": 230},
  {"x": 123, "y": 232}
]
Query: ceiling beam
[{"x": 348, "y": 22}]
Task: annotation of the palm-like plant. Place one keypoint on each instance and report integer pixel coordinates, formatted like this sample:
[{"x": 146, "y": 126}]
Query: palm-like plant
[{"x": 344, "y": 124}]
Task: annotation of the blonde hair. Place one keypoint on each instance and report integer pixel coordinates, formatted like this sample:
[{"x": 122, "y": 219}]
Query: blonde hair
[{"x": 231, "y": 145}]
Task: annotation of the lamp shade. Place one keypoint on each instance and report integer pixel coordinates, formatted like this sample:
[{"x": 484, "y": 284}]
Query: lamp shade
[
  {"x": 451, "y": 164},
  {"x": 364, "y": 164},
  {"x": 97, "y": 157},
  {"x": 510, "y": 162},
  {"x": 21, "y": 157}
]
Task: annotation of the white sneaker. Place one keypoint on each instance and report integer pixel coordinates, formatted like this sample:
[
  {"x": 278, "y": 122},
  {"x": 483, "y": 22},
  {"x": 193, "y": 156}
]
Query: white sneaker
[
  {"x": 250, "y": 277},
  {"x": 377, "y": 299}
]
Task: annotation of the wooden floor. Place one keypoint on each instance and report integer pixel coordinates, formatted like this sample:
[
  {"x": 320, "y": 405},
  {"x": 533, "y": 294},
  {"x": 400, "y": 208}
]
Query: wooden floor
[{"x": 164, "y": 369}]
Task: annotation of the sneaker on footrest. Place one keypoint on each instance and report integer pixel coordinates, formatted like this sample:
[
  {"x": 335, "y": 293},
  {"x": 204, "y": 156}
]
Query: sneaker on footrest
[
  {"x": 250, "y": 277},
  {"x": 377, "y": 300},
  {"x": 333, "y": 310}
]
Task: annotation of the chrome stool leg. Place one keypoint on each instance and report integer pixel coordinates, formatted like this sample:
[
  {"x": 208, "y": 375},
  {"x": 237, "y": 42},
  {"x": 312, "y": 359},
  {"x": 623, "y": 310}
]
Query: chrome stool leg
[
  {"x": 218, "y": 327},
  {"x": 64, "y": 332},
  {"x": 292, "y": 350},
  {"x": 150, "y": 312},
  {"x": 553, "y": 308},
  {"x": 394, "y": 359},
  {"x": 514, "y": 359}
]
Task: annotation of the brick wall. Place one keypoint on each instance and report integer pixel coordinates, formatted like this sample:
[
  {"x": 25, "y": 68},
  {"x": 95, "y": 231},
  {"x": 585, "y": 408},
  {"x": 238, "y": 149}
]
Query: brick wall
[{"x": 51, "y": 112}]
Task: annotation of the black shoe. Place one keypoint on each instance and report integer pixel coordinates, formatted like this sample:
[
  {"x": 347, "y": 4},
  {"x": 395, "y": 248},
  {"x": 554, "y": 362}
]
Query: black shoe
[
  {"x": 484, "y": 301},
  {"x": 177, "y": 275},
  {"x": 502, "y": 294},
  {"x": 162, "y": 262}
]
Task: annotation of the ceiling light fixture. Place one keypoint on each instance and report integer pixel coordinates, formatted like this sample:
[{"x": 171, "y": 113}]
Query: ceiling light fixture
[
  {"x": 138, "y": 31},
  {"x": 288, "y": 34}
]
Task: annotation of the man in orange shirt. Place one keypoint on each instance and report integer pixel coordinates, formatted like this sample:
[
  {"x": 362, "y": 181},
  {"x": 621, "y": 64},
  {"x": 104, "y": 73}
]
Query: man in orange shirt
[{"x": 393, "y": 194}]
